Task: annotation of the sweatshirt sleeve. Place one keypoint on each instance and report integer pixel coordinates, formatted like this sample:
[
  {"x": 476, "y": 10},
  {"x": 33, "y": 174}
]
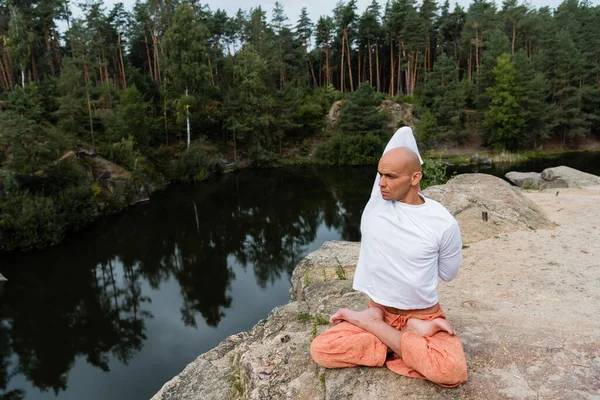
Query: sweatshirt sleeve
[
  {"x": 402, "y": 138},
  {"x": 450, "y": 254}
]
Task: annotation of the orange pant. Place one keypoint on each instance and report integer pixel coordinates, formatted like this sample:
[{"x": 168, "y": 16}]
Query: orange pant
[{"x": 439, "y": 358}]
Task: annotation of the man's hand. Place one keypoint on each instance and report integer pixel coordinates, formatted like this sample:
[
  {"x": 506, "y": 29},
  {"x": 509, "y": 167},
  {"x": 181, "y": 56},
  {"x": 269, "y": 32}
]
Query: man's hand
[{"x": 428, "y": 328}]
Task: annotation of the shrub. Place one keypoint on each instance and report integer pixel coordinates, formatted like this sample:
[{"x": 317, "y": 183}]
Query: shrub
[
  {"x": 29, "y": 221},
  {"x": 195, "y": 164},
  {"x": 352, "y": 150},
  {"x": 260, "y": 157},
  {"x": 434, "y": 173}
]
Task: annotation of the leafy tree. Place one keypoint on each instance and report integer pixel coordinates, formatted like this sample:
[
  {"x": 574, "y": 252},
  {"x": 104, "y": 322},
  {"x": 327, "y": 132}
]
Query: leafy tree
[
  {"x": 186, "y": 66},
  {"x": 503, "y": 120}
]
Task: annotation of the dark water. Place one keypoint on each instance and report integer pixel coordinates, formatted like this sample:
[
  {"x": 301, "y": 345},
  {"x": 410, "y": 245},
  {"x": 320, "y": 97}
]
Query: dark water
[{"x": 121, "y": 308}]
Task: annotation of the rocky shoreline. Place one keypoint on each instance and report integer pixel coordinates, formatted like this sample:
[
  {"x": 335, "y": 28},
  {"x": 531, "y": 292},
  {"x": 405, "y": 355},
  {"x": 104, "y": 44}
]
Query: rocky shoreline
[{"x": 522, "y": 304}]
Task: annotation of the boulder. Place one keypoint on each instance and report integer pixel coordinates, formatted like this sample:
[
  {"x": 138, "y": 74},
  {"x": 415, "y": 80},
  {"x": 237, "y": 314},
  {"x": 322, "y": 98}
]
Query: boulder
[
  {"x": 115, "y": 182},
  {"x": 399, "y": 114},
  {"x": 477, "y": 159},
  {"x": 467, "y": 196},
  {"x": 533, "y": 180},
  {"x": 552, "y": 178},
  {"x": 571, "y": 176},
  {"x": 333, "y": 117}
]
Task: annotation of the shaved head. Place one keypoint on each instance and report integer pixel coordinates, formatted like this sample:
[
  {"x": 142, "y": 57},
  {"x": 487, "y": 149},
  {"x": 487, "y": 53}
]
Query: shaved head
[
  {"x": 400, "y": 174},
  {"x": 402, "y": 158}
]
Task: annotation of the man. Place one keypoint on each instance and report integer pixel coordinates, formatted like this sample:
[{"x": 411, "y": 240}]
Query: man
[{"x": 407, "y": 242}]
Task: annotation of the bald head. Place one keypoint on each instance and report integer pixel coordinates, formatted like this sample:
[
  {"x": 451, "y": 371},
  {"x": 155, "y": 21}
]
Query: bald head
[
  {"x": 400, "y": 173},
  {"x": 403, "y": 159}
]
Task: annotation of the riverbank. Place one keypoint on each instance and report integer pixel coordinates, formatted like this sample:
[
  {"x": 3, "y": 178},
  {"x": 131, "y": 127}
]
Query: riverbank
[{"x": 521, "y": 305}]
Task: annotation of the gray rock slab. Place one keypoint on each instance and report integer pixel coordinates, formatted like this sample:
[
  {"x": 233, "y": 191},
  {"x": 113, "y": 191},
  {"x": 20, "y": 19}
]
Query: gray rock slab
[{"x": 467, "y": 196}]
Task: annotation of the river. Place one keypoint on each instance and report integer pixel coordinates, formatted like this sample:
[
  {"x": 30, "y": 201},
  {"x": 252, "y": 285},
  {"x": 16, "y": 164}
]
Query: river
[{"x": 121, "y": 307}]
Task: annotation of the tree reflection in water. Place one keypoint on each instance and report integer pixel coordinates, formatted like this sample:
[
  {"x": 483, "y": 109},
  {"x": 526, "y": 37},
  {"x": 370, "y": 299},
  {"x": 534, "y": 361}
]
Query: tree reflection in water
[{"x": 84, "y": 297}]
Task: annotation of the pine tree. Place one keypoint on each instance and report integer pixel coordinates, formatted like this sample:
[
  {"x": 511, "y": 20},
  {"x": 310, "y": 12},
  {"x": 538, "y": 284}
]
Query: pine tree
[{"x": 504, "y": 121}]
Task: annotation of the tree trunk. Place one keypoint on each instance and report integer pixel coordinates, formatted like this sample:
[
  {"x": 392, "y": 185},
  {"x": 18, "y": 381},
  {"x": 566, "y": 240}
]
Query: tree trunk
[
  {"x": 470, "y": 62},
  {"x": 89, "y": 104},
  {"x": 165, "y": 113},
  {"x": 342, "y": 66},
  {"x": 514, "y": 34},
  {"x": 415, "y": 62},
  {"x": 364, "y": 69},
  {"x": 48, "y": 50},
  {"x": 358, "y": 80},
  {"x": 312, "y": 71},
  {"x": 371, "y": 63},
  {"x": 399, "y": 75},
  {"x": 477, "y": 49},
  {"x": 391, "y": 66},
  {"x": 100, "y": 68},
  {"x": 5, "y": 85},
  {"x": 212, "y": 77},
  {"x": 7, "y": 68},
  {"x": 34, "y": 68},
  {"x": 150, "y": 67},
  {"x": 123, "y": 77},
  {"x": 377, "y": 64},
  {"x": 234, "y": 148},
  {"x": 187, "y": 119},
  {"x": 349, "y": 63},
  {"x": 328, "y": 77}
]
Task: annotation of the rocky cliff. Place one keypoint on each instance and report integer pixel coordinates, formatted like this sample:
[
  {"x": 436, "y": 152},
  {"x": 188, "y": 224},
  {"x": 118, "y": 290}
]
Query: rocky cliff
[{"x": 523, "y": 304}]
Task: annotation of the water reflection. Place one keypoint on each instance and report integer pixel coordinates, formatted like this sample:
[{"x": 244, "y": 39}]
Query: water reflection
[{"x": 85, "y": 298}]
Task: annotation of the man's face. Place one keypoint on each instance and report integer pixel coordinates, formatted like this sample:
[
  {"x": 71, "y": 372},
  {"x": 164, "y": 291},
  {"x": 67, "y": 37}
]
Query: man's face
[{"x": 395, "y": 182}]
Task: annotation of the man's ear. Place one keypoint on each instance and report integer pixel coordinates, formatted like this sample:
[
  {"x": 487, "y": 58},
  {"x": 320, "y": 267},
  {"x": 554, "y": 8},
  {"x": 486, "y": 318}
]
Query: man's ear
[{"x": 416, "y": 178}]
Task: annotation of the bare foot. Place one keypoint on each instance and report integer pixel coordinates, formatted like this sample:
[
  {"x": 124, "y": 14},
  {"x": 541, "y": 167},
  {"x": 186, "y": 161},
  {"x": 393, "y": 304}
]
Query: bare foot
[
  {"x": 358, "y": 318},
  {"x": 428, "y": 328}
]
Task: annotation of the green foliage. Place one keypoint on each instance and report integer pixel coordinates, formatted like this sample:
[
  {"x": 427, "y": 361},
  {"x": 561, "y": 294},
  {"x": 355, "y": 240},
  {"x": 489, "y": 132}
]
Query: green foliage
[
  {"x": 304, "y": 317},
  {"x": 30, "y": 221},
  {"x": 503, "y": 120},
  {"x": 124, "y": 153},
  {"x": 194, "y": 165},
  {"x": 426, "y": 130},
  {"x": 434, "y": 173},
  {"x": 131, "y": 120},
  {"x": 352, "y": 150},
  {"x": 25, "y": 141},
  {"x": 360, "y": 114},
  {"x": 260, "y": 157},
  {"x": 362, "y": 132}
]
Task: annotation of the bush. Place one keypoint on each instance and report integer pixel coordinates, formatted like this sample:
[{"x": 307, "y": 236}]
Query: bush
[
  {"x": 260, "y": 157},
  {"x": 33, "y": 221},
  {"x": 311, "y": 117},
  {"x": 194, "y": 165},
  {"x": 76, "y": 206},
  {"x": 352, "y": 150},
  {"x": 29, "y": 221},
  {"x": 434, "y": 173}
]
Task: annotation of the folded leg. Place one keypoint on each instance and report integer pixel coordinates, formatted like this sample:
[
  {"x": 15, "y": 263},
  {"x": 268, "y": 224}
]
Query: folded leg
[{"x": 346, "y": 345}]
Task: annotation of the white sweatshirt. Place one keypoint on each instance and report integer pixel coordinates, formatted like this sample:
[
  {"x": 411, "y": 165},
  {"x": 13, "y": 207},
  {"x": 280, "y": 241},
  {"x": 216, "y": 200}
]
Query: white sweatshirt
[{"x": 404, "y": 247}]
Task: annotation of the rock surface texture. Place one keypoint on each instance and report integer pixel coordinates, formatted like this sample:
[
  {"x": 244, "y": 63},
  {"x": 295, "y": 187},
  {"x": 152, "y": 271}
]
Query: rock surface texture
[
  {"x": 523, "y": 305},
  {"x": 553, "y": 178},
  {"x": 468, "y": 196}
]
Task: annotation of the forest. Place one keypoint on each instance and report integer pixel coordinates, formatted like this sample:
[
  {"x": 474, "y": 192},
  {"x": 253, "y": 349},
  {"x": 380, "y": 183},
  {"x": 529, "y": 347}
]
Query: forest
[{"x": 172, "y": 90}]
